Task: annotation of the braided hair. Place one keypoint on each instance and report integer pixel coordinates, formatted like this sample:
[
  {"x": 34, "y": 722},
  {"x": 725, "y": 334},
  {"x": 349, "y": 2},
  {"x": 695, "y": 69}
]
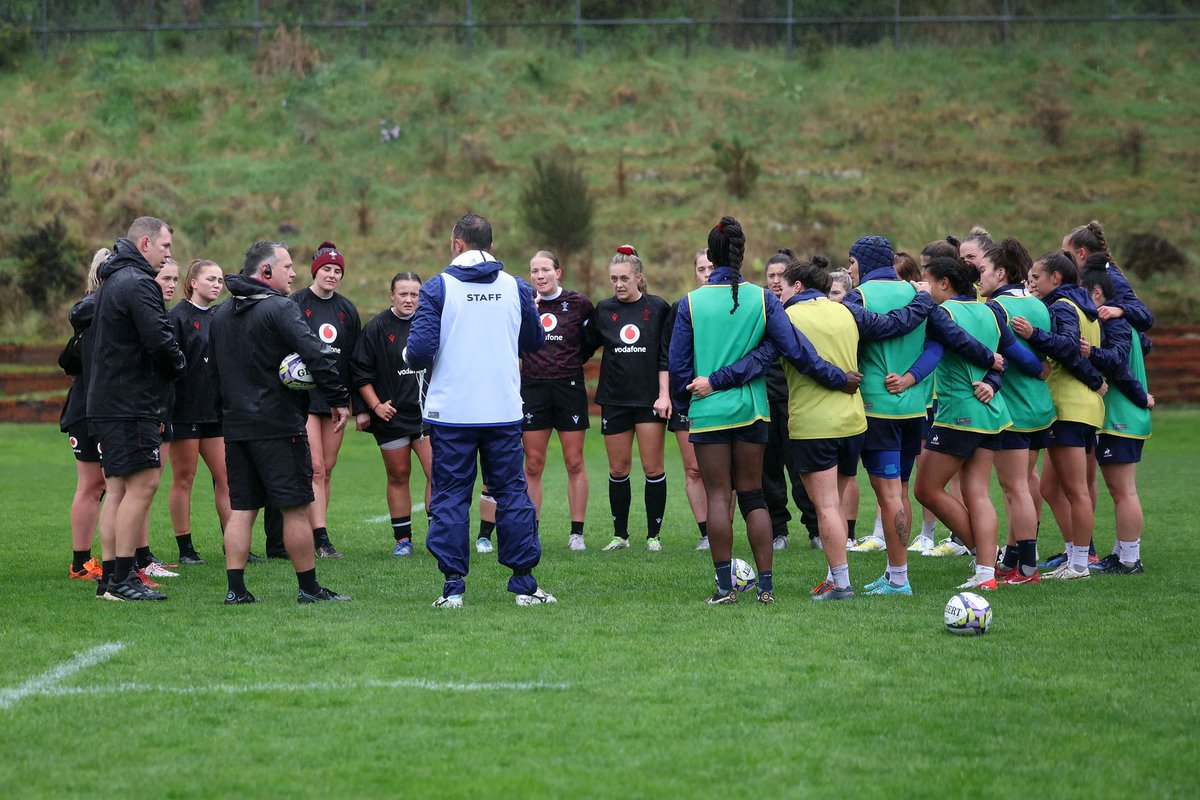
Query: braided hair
[
  {"x": 727, "y": 248},
  {"x": 1091, "y": 238}
]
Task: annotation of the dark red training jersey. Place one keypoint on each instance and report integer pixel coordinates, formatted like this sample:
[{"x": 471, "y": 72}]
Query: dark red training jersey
[{"x": 561, "y": 357}]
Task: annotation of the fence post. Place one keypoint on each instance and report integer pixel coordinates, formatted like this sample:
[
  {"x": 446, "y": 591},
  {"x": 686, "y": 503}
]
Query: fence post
[
  {"x": 1007, "y": 13},
  {"x": 579, "y": 28},
  {"x": 1114, "y": 20},
  {"x": 257, "y": 22},
  {"x": 45, "y": 33},
  {"x": 362, "y": 31},
  {"x": 790, "y": 27},
  {"x": 470, "y": 25},
  {"x": 896, "y": 33}
]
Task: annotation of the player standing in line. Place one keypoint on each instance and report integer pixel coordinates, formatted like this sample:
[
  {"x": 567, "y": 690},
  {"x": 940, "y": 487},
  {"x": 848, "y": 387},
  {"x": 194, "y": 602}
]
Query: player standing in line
[
  {"x": 840, "y": 283},
  {"x": 134, "y": 356},
  {"x": 679, "y": 424},
  {"x": 394, "y": 392},
  {"x": 553, "y": 392},
  {"x": 196, "y": 416},
  {"x": 89, "y": 477},
  {"x": 632, "y": 392},
  {"x": 1077, "y": 388},
  {"x": 1126, "y": 419},
  {"x": 474, "y": 321},
  {"x": 266, "y": 444},
  {"x": 775, "y": 460}
]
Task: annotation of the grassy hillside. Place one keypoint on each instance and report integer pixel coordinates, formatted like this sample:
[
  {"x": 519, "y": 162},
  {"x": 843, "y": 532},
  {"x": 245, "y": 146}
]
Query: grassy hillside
[{"x": 912, "y": 144}]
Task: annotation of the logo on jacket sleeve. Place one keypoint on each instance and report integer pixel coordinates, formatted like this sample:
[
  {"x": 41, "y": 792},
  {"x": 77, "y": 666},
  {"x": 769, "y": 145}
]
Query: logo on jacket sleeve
[
  {"x": 549, "y": 322},
  {"x": 328, "y": 333},
  {"x": 630, "y": 334}
]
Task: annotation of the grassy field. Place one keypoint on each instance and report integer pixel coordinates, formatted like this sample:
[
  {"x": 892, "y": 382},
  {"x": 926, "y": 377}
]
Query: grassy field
[
  {"x": 629, "y": 687},
  {"x": 913, "y": 144}
]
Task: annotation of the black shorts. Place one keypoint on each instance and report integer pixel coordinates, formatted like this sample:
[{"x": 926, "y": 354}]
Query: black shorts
[
  {"x": 818, "y": 455},
  {"x": 963, "y": 444},
  {"x": 560, "y": 405},
  {"x": 621, "y": 419},
  {"x": 754, "y": 433},
  {"x": 1071, "y": 434},
  {"x": 168, "y": 432},
  {"x": 274, "y": 472},
  {"x": 127, "y": 446},
  {"x": 678, "y": 422},
  {"x": 1024, "y": 440},
  {"x": 387, "y": 437},
  {"x": 83, "y": 444},
  {"x": 894, "y": 435},
  {"x": 197, "y": 430},
  {"x": 1118, "y": 449}
]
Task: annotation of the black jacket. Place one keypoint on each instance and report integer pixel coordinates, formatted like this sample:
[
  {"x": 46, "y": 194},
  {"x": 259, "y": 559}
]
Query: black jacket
[
  {"x": 251, "y": 333},
  {"x": 134, "y": 355},
  {"x": 73, "y": 362},
  {"x": 197, "y": 400}
]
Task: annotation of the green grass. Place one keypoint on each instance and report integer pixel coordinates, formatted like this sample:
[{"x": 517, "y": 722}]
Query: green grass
[
  {"x": 914, "y": 144},
  {"x": 1081, "y": 689}
]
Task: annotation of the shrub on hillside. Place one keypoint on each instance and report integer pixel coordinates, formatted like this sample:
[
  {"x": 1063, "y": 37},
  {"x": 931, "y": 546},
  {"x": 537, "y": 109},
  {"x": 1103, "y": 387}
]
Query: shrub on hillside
[
  {"x": 738, "y": 164},
  {"x": 52, "y": 263},
  {"x": 1147, "y": 254},
  {"x": 1051, "y": 113},
  {"x": 557, "y": 206},
  {"x": 14, "y": 41},
  {"x": 286, "y": 52}
]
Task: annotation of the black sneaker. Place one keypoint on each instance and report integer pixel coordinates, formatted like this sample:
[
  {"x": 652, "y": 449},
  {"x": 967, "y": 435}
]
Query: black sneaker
[
  {"x": 327, "y": 550},
  {"x": 190, "y": 558},
  {"x": 235, "y": 599},
  {"x": 322, "y": 595},
  {"x": 253, "y": 559},
  {"x": 102, "y": 590},
  {"x": 1117, "y": 568},
  {"x": 723, "y": 599},
  {"x": 132, "y": 588}
]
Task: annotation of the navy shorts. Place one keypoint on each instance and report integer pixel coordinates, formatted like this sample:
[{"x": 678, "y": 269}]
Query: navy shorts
[
  {"x": 818, "y": 455},
  {"x": 754, "y": 433},
  {"x": 1024, "y": 440},
  {"x": 621, "y": 419},
  {"x": 197, "y": 430},
  {"x": 1118, "y": 449},
  {"x": 127, "y": 446},
  {"x": 900, "y": 435},
  {"x": 1071, "y": 434},
  {"x": 561, "y": 405},
  {"x": 954, "y": 442},
  {"x": 83, "y": 444},
  {"x": 274, "y": 472},
  {"x": 678, "y": 422}
]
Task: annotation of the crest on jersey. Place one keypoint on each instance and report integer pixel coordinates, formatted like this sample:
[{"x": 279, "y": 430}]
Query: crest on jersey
[
  {"x": 549, "y": 322},
  {"x": 630, "y": 334},
  {"x": 328, "y": 333},
  {"x": 565, "y": 307}
]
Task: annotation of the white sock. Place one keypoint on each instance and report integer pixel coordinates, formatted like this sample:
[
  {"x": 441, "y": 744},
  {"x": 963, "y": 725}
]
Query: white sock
[
  {"x": 878, "y": 532},
  {"x": 1132, "y": 552},
  {"x": 1077, "y": 557},
  {"x": 841, "y": 576},
  {"x": 898, "y": 575},
  {"x": 927, "y": 529},
  {"x": 829, "y": 575},
  {"x": 986, "y": 573}
]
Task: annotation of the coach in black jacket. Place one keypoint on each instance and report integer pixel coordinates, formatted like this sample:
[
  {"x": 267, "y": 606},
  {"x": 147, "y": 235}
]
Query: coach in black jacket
[
  {"x": 266, "y": 448},
  {"x": 133, "y": 359}
]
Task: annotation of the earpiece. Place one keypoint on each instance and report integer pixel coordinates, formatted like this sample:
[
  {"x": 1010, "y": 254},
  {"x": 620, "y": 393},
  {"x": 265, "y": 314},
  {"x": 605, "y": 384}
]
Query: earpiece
[{"x": 266, "y": 272}]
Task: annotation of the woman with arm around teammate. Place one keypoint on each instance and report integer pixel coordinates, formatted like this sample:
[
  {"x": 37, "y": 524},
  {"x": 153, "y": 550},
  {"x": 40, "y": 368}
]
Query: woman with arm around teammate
[
  {"x": 394, "y": 394},
  {"x": 196, "y": 415},
  {"x": 553, "y": 391},
  {"x": 336, "y": 322},
  {"x": 632, "y": 392}
]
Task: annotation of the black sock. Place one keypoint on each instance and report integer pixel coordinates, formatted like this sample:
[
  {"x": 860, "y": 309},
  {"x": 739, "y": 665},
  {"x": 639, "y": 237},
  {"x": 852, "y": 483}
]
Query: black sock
[
  {"x": 703, "y": 526},
  {"x": 1091, "y": 548},
  {"x": 142, "y": 557},
  {"x": 308, "y": 581},
  {"x": 724, "y": 576},
  {"x": 954, "y": 538},
  {"x": 184, "y": 541},
  {"x": 402, "y": 528},
  {"x": 79, "y": 558},
  {"x": 766, "y": 582},
  {"x": 320, "y": 537},
  {"x": 619, "y": 498},
  {"x": 656, "y": 504},
  {"x": 237, "y": 580},
  {"x": 1027, "y": 556},
  {"x": 485, "y": 529},
  {"x": 576, "y": 528},
  {"x": 107, "y": 568},
  {"x": 1010, "y": 555},
  {"x": 850, "y": 523},
  {"x": 124, "y": 566}
]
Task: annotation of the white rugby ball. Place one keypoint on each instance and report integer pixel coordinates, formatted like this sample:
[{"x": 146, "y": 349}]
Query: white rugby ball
[
  {"x": 744, "y": 577},
  {"x": 294, "y": 374},
  {"x": 968, "y": 614}
]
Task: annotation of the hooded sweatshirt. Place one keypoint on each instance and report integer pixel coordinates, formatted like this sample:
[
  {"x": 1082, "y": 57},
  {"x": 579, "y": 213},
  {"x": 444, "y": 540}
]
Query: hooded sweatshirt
[{"x": 251, "y": 333}]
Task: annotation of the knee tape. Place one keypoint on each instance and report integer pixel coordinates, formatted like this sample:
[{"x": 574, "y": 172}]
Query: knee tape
[{"x": 751, "y": 501}]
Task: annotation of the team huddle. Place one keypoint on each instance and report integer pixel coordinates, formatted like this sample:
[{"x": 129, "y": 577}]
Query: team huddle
[{"x": 971, "y": 358}]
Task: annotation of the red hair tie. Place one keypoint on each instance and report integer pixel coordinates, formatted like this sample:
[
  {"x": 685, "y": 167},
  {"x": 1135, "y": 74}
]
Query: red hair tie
[
  {"x": 626, "y": 250},
  {"x": 719, "y": 228}
]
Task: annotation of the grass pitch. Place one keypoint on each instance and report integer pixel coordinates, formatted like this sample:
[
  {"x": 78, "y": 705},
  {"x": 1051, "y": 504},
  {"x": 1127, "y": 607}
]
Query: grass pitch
[{"x": 630, "y": 686}]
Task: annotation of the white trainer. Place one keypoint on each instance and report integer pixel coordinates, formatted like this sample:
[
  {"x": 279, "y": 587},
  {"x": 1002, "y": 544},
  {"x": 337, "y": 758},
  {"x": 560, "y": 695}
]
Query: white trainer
[
  {"x": 920, "y": 544},
  {"x": 1068, "y": 573},
  {"x": 780, "y": 543},
  {"x": 575, "y": 542},
  {"x": 483, "y": 545},
  {"x": 654, "y": 544},
  {"x": 616, "y": 544},
  {"x": 947, "y": 547},
  {"x": 156, "y": 570},
  {"x": 538, "y": 598},
  {"x": 702, "y": 544},
  {"x": 869, "y": 544},
  {"x": 453, "y": 601}
]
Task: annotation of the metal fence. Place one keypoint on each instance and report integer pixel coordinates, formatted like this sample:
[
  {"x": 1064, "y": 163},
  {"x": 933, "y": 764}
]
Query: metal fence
[{"x": 580, "y": 25}]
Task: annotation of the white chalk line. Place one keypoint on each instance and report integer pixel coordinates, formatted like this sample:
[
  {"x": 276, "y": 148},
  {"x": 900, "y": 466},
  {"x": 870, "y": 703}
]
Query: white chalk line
[
  {"x": 48, "y": 682},
  {"x": 416, "y": 509},
  {"x": 324, "y": 686}
]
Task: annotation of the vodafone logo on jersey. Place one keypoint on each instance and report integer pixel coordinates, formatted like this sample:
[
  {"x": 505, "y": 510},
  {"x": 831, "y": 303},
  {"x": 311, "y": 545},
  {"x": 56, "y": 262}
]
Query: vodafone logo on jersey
[
  {"x": 549, "y": 322},
  {"x": 328, "y": 333},
  {"x": 630, "y": 334}
]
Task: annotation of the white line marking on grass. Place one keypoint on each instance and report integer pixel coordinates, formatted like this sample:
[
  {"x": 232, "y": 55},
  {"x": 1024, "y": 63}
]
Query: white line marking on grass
[
  {"x": 253, "y": 688},
  {"x": 48, "y": 682},
  {"x": 416, "y": 509}
]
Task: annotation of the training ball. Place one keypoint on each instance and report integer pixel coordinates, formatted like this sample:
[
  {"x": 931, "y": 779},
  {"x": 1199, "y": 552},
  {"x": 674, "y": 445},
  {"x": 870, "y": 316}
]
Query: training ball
[
  {"x": 968, "y": 614},
  {"x": 743, "y": 575},
  {"x": 294, "y": 374}
]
